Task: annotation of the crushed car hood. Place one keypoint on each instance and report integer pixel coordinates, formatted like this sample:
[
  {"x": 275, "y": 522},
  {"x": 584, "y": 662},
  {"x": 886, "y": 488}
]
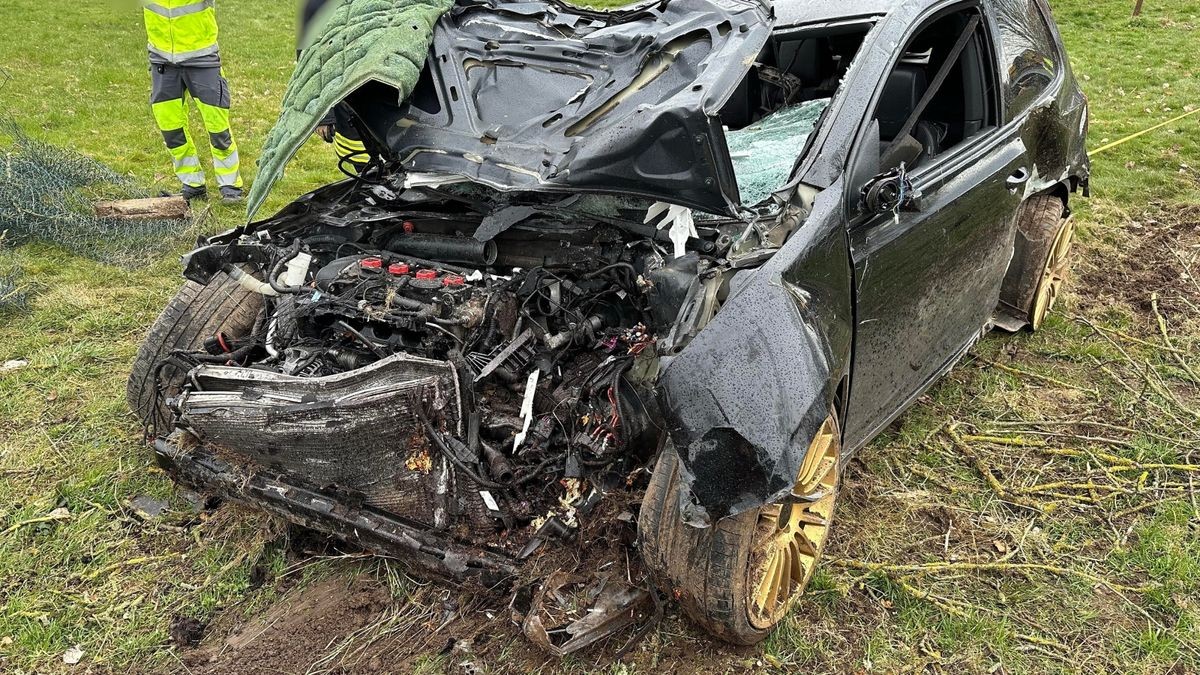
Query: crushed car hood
[{"x": 543, "y": 96}]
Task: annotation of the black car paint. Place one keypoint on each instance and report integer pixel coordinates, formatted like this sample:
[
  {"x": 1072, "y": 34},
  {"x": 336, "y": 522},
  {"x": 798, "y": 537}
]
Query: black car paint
[
  {"x": 596, "y": 123},
  {"x": 743, "y": 400},
  {"x": 922, "y": 290}
]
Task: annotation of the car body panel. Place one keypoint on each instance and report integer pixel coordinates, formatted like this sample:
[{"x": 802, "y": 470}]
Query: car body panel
[
  {"x": 746, "y": 397},
  {"x": 543, "y": 96},
  {"x": 927, "y": 283},
  {"x": 798, "y": 12},
  {"x": 930, "y": 295}
]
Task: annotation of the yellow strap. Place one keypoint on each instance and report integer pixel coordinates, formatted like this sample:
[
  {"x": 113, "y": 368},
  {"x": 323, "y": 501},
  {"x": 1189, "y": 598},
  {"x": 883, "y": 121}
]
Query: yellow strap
[{"x": 1143, "y": 132}]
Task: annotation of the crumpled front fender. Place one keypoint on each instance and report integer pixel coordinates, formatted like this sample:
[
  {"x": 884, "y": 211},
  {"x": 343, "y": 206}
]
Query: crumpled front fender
[{"x": 745, "y": 398}]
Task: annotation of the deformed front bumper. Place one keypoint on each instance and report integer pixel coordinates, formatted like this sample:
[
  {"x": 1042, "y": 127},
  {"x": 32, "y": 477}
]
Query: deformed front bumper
[{"x": 374, "y": 530}]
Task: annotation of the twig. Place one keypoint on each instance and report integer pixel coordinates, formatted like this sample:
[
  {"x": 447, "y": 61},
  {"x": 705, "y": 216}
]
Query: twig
[
  {"x": 1143, "y": 507},
  {"x": 1068, "y": 485},
  {"x": 1140, "y": 395},
  {"x": 130, "y": 562},
  {"x": 1126, "y": 336},
  {"x": 1005, "y": 440},
  {"x": 1044, "y": 378},
  {"x": 60, "y": 515},
  {"x": 1089, "y": 423},
  {"x": 1187, "y": 267},
  {"x": 939, "y": 602},
  {"x": 1146, "y": 376},
  {"x": 1037, "y": 640},
  {"x": 986, "y": 472},
  {"x": 1162, "y": 328},
  {"x": 1121, "y": 463},
  {"x": 988, "y": 567},
  {"x": 932, "y": 478}
]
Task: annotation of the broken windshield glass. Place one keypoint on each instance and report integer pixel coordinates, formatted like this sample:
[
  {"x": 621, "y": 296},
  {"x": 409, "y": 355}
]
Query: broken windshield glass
[{"x": 764, "y": 153}]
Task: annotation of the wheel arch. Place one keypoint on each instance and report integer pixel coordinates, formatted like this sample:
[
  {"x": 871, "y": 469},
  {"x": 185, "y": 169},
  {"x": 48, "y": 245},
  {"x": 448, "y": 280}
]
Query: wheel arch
[{"x": 781, "y": 343}]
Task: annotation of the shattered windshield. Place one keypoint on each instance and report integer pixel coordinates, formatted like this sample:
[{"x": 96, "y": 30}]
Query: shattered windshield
[{"x": 764, "y": 153}]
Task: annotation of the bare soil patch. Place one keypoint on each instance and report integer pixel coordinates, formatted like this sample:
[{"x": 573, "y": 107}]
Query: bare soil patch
[
  {"x": 1156, "y": 253},
  {"x": 296, "y": 631}
]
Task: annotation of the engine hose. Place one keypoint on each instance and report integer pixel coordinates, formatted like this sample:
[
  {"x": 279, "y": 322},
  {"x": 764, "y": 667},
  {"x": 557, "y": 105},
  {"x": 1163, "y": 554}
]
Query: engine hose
[
  {"x": 248, "y": 281},
  {"x": 410, "y": 304},
  {"x": 260, "y": 322},
  {"x": 498, "y": 464},
  {"x": 342, "y": 325},
  {"x": 292, "y": 254},
  {"x": 537, "y": 470},
  {"x": 442, "y": 247}
]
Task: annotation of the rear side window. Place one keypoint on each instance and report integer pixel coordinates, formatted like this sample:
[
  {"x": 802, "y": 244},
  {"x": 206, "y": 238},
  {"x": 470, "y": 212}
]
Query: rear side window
[{"x": 1031, "y": 57}]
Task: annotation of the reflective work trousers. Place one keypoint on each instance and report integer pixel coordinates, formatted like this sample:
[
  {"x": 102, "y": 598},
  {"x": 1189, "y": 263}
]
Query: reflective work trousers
[
  {"x": 347, "y": 143},
  {"x": 172, "y": 87}
]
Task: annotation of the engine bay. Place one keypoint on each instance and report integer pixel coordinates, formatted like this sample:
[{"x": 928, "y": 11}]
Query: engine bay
[{"x": 478, "y": 364}]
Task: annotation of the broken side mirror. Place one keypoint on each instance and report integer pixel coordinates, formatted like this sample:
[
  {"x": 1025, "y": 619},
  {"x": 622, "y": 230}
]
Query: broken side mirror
[
  {"x": 891, "y": 192},
  {"x": 880, "y": 176}
]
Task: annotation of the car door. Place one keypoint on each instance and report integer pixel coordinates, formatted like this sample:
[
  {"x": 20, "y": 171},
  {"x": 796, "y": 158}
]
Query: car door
[{"x": 928, "y": 272}]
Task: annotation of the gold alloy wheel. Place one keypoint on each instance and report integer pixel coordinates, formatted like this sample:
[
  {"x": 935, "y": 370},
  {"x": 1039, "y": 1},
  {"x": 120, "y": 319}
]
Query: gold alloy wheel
[
  {"x": 1055, "y": 272},
  {"x": 790, "y": 536}
]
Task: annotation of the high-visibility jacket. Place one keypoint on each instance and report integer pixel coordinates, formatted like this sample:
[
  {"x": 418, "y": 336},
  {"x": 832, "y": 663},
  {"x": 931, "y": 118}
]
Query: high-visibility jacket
[{"x": 181, "y": 31}]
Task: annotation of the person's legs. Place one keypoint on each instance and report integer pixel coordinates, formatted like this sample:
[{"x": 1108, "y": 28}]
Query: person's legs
[
  {"x": 350, "y": 151},
  {"x": 211, "y": 92},
  {"x": 167, "y": 102},
  {"x": 347, "y": 142}
]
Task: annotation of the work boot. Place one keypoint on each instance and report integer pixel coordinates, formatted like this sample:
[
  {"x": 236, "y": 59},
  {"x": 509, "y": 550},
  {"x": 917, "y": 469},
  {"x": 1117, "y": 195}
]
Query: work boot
[
  {"x": 231, "y": 195},
  {"x": 191, "y": 192}
]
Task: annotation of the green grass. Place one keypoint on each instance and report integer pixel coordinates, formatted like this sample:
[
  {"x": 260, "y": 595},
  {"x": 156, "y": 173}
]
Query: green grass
[{"x": 103, "y": 579}]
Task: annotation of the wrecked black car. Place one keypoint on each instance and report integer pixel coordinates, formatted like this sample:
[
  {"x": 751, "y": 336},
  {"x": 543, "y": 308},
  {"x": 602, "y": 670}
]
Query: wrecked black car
[{"x": 724, "y": 239}]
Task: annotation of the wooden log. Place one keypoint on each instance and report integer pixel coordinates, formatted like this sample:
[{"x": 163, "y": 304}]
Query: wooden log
[{"x": 168, "y": 208}]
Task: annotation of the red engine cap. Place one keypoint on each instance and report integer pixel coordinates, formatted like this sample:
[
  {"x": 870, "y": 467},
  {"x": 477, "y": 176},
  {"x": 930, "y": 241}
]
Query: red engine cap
[
  {"x": 371, "y": 263},
  {"x": 426, "y": 275},
  {"x": 398, "y": 268},
  {"x": 453, "y": 280}
]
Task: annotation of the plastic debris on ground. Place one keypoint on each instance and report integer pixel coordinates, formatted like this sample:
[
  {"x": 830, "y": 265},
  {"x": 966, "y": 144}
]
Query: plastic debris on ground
[
  {"x": 569, "y": 613},
  {"x": 148, "y": 508},
  {"x": 765, "y": 152}
]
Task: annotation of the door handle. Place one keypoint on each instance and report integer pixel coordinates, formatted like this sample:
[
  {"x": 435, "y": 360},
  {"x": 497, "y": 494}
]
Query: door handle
[{"x": 1017, "y": 179}]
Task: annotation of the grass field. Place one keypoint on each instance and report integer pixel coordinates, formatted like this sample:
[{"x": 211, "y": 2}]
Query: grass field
[{"x": 1036, "y": 512}]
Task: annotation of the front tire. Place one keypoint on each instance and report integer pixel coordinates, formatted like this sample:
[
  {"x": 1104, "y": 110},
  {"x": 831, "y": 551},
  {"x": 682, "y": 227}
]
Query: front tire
[
  {"x": 196, "y": 313},
  {"x": 740, "y": 577}
]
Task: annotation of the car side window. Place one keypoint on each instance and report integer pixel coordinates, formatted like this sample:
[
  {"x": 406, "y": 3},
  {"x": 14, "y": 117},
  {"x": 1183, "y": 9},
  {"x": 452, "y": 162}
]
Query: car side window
[
  {"x": 1031, "y": 55},
  {"x": 939, "y": 94}
]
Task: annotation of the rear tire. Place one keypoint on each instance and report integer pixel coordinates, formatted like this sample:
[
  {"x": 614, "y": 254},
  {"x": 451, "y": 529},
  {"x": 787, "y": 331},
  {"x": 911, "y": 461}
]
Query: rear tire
[
  {"x": 1040, "y": 262},
  {"x": 716, "y": 573},
  {"x": 196, "y": 313}
]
